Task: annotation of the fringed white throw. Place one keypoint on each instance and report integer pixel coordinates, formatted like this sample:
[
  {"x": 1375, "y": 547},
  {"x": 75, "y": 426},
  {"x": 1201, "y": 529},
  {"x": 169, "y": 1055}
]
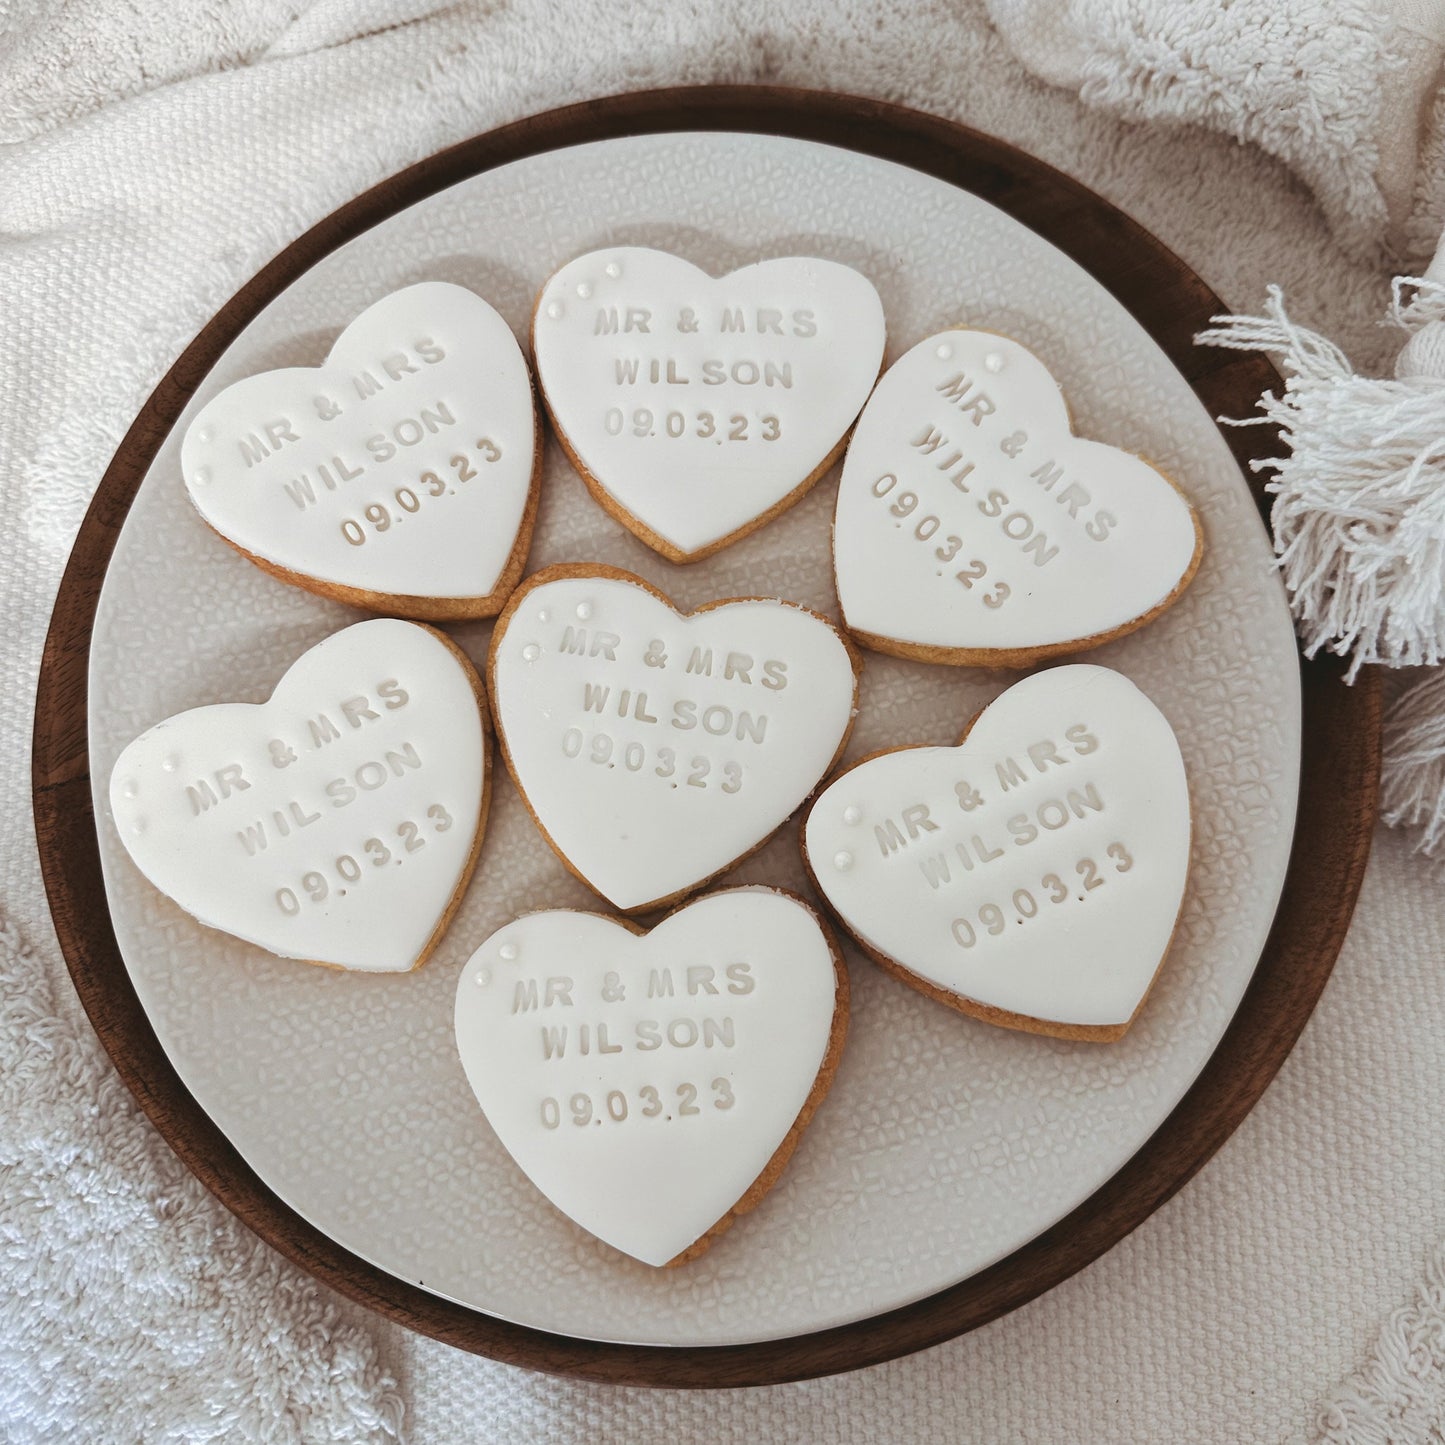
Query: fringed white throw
[
  {"x": 1359, "y": 517},
  {"x": 1397, "y": 1397}
]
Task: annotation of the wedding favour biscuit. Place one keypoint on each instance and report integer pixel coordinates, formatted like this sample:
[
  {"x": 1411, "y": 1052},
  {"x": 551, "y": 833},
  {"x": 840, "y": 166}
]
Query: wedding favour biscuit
[
  {"x": 656, "y": 748},
  {"x": 401, "y": 475},
  {"x": 1031, "y": 876},
  {"x": 336, "y": 823},
  {"x": 697, "y": 408},
  {"x": 973, "y": 527},
  {"x": 653, "y": 1085}
]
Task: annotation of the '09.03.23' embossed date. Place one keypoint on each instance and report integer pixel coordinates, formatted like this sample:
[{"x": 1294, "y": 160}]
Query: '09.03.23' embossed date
[
  {"x": 407, "y": 838},
  {"x": 381, "y": 517},
  {"x": 926, "y": 528},
  {"x": 1088, "y": 877},
  {"x": 616, "y": 1108},
  {"x": 659, "y": 762},
  {"x": 643, "y": 422}
]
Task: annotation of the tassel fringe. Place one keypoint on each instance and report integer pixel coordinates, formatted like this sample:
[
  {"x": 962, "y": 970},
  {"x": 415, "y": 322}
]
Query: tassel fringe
[
  {"x": 1359, "y": 515},
  {"x": 1413, "y": 783},
  {"x": 1424, "y": 304}
]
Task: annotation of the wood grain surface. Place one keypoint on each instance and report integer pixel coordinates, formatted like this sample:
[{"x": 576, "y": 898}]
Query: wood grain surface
[{"x": 1338, "y": 785}]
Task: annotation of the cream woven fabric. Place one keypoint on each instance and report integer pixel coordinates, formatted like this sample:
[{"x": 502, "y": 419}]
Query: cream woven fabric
[{"x": 152, "y": 160}]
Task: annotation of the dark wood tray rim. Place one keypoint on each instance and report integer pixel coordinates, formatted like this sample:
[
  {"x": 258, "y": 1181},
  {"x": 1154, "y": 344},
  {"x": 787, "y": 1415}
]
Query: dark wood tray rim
[{"x": 1338, "y": 785}]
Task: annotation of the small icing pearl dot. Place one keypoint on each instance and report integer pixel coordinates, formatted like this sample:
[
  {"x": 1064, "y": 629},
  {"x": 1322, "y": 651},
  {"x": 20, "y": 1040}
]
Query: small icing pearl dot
[
  {"x": 508, "y": 952},
  {"x": 613, "y": 269},
  {"x": 843, "y": 861},
  {"x": 139, "y": 826},
  {"x": 555, "y": 310},
  {"x": 170, "y": 762},
  {"x": 207, "y": 434},
  {"x": 200, "y": 476},
  {"x": 531, "y": 652},
  {"x": 993, "y": 361},
  {"x": 944, "y": 352},
  {"x": 484, "y": 977},
  {"x": 584, "y": 611},
  {"x": 544, "y": 616},
  {"x": 130, "y": 788},
  {"x": 584, "y": 289},
  {"x": 852, "y": 814}
]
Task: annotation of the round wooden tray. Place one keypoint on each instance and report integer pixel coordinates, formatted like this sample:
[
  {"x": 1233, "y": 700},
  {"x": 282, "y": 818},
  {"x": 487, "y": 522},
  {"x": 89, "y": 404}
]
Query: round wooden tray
[{"x": 1338, "y": 783}]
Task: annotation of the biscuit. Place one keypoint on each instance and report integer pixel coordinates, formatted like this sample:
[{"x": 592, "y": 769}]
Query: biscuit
[
  {"x": 1032, "y": 876},
  {"x": 339, "y": 821},
  {"x": 654, "y": 748},
  {"x": 653, "y": 1085},
  {"x": 695, "y": 408},
  {"x": 399, "y": 476},
  {"x": 974, "y": 528}
]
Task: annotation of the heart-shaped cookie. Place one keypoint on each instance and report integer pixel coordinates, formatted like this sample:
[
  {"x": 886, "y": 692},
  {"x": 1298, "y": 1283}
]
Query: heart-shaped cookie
[
  {"x": 697, "y": 408},
  {"x": 1031, "y": 876},
  {"x": 339, "y": 821},
  {"x": 973, "y": 527},
  {"x": 655, "y": 749},
  {"x": 400, "y": 475},
  {"x": 653, "y": 1085}
]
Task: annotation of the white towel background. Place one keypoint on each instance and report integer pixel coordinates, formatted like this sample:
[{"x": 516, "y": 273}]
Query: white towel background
[{"x": 152, "y": 158}]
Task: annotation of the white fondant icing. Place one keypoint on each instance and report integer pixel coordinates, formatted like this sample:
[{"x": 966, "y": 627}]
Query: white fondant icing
[
  {"x": 656, "y": 749},
  {"x": 1038, "y": 867},
  {"x": 401, "y": 465},
  {"x": 333, "y": 822},
  {"x": 699, "y": 403},
  {"x": 969, "y": 516},
  {"x": 643, "y": 1083}
]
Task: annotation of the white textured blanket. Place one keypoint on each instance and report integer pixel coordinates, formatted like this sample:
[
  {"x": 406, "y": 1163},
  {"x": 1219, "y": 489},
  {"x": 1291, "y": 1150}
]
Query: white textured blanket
[{"x": 151, "y": 159}]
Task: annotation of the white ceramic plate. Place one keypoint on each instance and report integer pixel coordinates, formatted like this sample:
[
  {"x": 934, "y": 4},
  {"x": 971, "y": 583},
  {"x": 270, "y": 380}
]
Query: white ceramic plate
[{"x": 945, "y": 1144}]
